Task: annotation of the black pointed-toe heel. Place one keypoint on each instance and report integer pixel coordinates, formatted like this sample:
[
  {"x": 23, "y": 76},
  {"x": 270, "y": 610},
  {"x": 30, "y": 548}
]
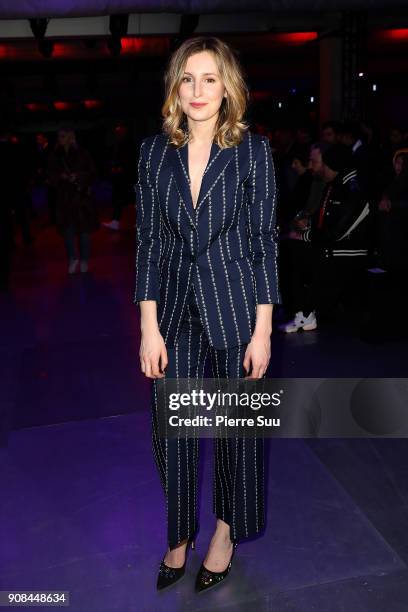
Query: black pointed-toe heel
[
  {"x": 170, "y": 575},
  {"x": 207, "y": 579}
]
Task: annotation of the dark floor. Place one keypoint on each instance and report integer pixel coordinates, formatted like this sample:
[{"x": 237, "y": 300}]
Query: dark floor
[{"x": 82, "y": 508}]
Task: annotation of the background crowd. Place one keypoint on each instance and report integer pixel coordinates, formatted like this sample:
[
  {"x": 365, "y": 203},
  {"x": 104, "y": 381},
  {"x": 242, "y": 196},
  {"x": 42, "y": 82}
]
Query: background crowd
[{"x": 342, "y": 211}]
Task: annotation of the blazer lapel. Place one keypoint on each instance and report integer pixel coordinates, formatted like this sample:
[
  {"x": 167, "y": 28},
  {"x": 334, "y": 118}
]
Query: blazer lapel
[
  {"x": 177, "y": 160},
  {"x": 217, "y": 162}
]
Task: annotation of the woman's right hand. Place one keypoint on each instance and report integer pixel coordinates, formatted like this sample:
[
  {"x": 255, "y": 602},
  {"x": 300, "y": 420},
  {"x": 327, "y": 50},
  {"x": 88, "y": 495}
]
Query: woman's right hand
[{"x": 153, "y": 354}]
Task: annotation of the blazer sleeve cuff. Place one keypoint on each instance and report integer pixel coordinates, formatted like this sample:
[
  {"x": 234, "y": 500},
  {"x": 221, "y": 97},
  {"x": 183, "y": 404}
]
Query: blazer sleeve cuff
[
  {"x": 267, "y": 287},
  {"x": 147, "y": 285}
]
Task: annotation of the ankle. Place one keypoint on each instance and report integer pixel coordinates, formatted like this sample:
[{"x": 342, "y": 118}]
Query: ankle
[
  {"x": 220, "y": 537},
  {"x": 179, "y": 547},
  {"x": 176, "y": 556},
  {"x": 223, "y": 530}
]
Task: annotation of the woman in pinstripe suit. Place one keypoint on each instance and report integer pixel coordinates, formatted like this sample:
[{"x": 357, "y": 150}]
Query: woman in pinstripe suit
[{"x": 206, "y": 281}]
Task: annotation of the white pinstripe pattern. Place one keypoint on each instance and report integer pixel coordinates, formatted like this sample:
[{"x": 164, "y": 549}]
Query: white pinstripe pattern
[
  {"x": 178, "y": 275},
  {"x": 234, "y": 493},
  {"x": 167, "y": 234},
  {"x": 245, "y": 298},
  {"x": 159, "y": 166},
  {"x": 231, "y": 491},
  {"x": 218, "y": 464},
  {"x": 187, "y": 178},
  {"x": 188, "y": 315},
  {"x": 264, "y": 255},
  {"x": 157, "y": 449},
  {"x": 214, "y": 285},
  {"x": 223, "y": 264},
  {"x": 245, "y": 487},
  {"x": 184, "y": 302},
  {"x": 238, "y": 226},
  {"x": 233, "y": 218},
  {"x": 239, "y": 239},
  {"x": 248, "y": 186},
  {"x": 271, "y": 227},
  {"x": 173, "y": 243},
  {"x": 210, "y": 163},
  {"x": 204, "y": 306},
  {"x": 206, "y": 195},
  {"x": 243, "y": 226},
  {"x": 153, "y": 212},
  {"x": 261, "y": 222}
]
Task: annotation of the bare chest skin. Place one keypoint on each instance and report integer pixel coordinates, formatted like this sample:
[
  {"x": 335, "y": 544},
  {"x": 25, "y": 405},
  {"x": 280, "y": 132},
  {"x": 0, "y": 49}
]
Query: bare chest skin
[{"x": 198, "y": 156}]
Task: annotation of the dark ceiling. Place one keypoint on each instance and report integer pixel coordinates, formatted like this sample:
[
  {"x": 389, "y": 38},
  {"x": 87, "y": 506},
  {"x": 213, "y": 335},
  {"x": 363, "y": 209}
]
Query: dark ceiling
[{"x": 76, "y": 8}]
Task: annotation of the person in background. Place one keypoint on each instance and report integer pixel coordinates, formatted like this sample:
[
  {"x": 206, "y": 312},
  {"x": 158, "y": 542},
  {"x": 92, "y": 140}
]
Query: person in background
[
  {"x": 393, "y": 215},
  {"x": 122, "y": 172},
  {"x": 330, "y": 132},
  {"x": 338, "y": 235},
  {"x": 301, "y": 220},
  {"x": 21, "y": 172},
  {"x": 396, "y": 138},
  {"x": 295, "y": 261},
  {"x": 294, "y": 254},
  {"x": 352, "y": 136},
  {"x": 72, "y": 172},
  {"x": 370, "y": 134},
  {"x": 299, "y": 196},
  {"x": 304, "y": 135},
  {"x": 40, "y": 178}
]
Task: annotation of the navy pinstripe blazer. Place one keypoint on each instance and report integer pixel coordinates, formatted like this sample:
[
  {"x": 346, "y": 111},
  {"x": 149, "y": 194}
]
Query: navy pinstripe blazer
[{"x": 226, "y": 247}]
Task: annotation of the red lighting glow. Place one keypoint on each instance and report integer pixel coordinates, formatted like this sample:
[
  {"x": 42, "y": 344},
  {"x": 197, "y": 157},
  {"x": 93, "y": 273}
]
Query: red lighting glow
[
  {"x": 393, "y": 35},
  {"x": 65, "y": 50},
  {"x": 132, "y": 45},
  {"x": 92, "y": 104},
  {"x": 295, "y": 38},
  {"x": 64, "y": 106},
  {"x": 35, "y": 107}
]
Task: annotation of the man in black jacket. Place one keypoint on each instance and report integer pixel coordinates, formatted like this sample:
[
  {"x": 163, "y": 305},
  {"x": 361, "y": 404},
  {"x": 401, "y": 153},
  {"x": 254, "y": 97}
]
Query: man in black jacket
[{"x": 339, "y": 237}]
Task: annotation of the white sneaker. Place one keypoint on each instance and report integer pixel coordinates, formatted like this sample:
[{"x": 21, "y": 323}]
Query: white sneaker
[
  {"x": 83, "y": 266},
  {"x": 300, "y": 322},
  {"x": 72, "y": 267},
  {"x": 114, "y": 224}
]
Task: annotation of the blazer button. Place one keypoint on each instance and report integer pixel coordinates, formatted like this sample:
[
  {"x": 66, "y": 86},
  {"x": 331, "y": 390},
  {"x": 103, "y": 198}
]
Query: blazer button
[{"x": 193, "y": 258}]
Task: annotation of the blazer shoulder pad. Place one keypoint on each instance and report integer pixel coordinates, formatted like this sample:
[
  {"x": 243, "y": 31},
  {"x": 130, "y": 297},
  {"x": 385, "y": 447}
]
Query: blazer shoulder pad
[
  {"x": 157, "y": 140},
  {"x": 257, "y": 139}
]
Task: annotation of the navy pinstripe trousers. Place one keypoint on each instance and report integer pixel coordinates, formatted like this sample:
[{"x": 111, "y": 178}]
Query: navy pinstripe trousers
[{"x": 238, "y": 477}]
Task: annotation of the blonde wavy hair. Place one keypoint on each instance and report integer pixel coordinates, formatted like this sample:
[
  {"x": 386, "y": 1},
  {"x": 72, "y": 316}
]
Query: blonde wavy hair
[{"x": 230, "y": 126}]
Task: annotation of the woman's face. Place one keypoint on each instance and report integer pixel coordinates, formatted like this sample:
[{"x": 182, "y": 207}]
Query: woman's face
[
  {"x": 201, "y": 90},
  {"x": 398, "y": 164}
]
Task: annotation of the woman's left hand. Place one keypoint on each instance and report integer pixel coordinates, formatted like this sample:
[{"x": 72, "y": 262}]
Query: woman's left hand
[{"x": 258, "y": 354}]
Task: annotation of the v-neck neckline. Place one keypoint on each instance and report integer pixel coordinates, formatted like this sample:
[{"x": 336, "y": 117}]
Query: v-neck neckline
[{"x": 210, "y": 157}]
